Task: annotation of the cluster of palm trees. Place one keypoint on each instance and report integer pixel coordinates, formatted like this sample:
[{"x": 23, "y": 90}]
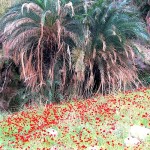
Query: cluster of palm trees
[{"x": 76, "y": 47}]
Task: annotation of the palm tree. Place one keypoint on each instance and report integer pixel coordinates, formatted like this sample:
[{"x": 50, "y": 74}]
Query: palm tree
[
  {"x": 38, "y": 35},
  {"x": 107, "y": 56}
]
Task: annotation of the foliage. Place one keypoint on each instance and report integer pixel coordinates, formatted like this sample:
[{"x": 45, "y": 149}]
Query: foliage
[
  {"x": 108, "y": 51},
  {"x": 37, "y": 35},
  {"x": 73, "y": 48},
  {"x": 144, "y": 8},
  {"x": 145, "y": 77},
  {"x": 5, "y": 4},
  {"x": 9, "y": 82}
]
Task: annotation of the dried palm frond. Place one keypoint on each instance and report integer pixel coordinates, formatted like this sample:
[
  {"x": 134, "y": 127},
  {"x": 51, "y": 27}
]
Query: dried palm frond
[
  {"x": 70, "y": 5},
  {"x": 143, "y": 50},
  {"x": 31, "y": 6},
  {"x": 36, "y": 36}
]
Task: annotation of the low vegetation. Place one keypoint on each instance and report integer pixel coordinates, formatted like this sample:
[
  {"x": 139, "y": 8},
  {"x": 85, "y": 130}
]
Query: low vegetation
[{"x": 100, "y": 122}]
